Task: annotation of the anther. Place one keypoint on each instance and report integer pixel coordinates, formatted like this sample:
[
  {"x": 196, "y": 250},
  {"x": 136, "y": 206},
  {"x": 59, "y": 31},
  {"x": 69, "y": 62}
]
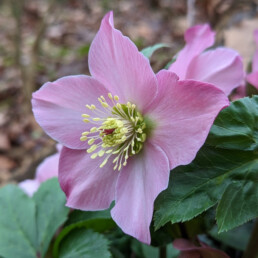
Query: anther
[
  {"x": 85, "y": 115},
  {"x": 96, "y": 119},
  {"x": 104, "y": 104},
  {"x": 94, "y": 155},
  {"x": 91, "y": 141},
  {"x": 92, "y": 148},
  {"x": 93, "y": 129},
  {"x": 103, "y": 163},
  {"x": 83, "y": 138},
  {"x": 101, "y": 153}
]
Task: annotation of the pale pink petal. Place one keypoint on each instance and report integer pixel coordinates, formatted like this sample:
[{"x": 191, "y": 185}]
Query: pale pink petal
[
  {"x": 29, "y": 186},
  {"x": 48, "y": 168},
  {"x": 115, "y": 61},
  {"x": 58, "y": 106},
  {"x": 183, "y": 114},
  {"x": 139, "y": 183},
  {"x": 252, "y": 78},
  {"x": 59, "y": 147},
  {"x": 197, "y": 38},
  {"x": 221, "y": 67},
  {"x": 189, "y": 250},
  {"x": 86, "y": 185}
]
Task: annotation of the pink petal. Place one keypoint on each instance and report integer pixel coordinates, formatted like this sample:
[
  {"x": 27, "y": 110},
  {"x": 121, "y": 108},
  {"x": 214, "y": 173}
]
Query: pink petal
[
  {"x": 57, "y": 107},
  {"x": 48, "y": 168},
  {"x": 86, "y": 185},
  {"x": 139, "y": 183},
  {"x": 197, "y": 38},
  {"x": 29, "y": 186},
  {"x": 115, "y": 61},
  {"x": 188, "y": 249},
  {"x": 252, "y": 78},
  {"x": 184, "y": 113},
  {"x": 222, "y": 67}
]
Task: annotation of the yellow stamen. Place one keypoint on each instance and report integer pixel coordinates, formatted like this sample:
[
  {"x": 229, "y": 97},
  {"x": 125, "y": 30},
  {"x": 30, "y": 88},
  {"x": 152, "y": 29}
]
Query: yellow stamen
[
  {"x": 101, "y": 153},
  {"x": 91, "y": 141},
  {"x": 120, "y": 133},
  {"x": 103, "y": 163},
  {"x": 83, "y": 138},
  {"x": 93, "y": 129},
  {"x": 94, "y": 155},
  {"x": 92, "y": 148}
]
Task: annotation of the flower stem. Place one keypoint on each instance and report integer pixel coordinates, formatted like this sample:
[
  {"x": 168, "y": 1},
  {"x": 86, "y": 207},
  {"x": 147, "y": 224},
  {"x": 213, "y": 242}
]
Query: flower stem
[
  {"x": 163, "y": 252},
  {"x": 252, "y": 247}
]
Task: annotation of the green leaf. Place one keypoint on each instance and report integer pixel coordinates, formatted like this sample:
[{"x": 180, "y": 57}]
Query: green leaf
[
  {"x": 51, "y": 212},
  {"x": 99, "y": 221},
  {"x": 148, "y": 51},
  {"x": 146, "y": 251},
  {"x": 27, "y": 225},
  {"x": 239, "y": 203},
  {"x": 220, "y": 173},
  {"x": 84, "y": 243},
  {"x": 17, "y": 223},
  {"x": 237, "y": 126},
  {"x": 81, "y": 216},
  {"x": 237, "y": 238}
]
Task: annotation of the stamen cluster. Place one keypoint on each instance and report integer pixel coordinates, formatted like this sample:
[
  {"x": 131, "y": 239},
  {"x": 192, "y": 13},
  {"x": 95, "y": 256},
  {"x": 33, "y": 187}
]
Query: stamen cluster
[{"x": 119, "y": 130}]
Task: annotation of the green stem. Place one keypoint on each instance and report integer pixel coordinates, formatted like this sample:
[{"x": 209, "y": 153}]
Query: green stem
[
  {"x": 163, "y": 252},
  {"x": 252, "y": 247}
]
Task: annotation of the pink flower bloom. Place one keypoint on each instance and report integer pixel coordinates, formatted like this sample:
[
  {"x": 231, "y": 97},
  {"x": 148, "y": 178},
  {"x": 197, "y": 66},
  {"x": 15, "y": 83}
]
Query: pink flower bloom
[
  {"x": 138, "y": 126},
  {"x": 46, "y": 170},
  {"x": 240, "y": 92},
  {"x": 222, "y": 67},
  {"x": 252, "y": 77},
  {"x": 189, "y": 250}
]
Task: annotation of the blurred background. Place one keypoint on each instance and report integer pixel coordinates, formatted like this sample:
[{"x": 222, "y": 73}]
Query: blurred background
[{"x": 42, "y": 40}]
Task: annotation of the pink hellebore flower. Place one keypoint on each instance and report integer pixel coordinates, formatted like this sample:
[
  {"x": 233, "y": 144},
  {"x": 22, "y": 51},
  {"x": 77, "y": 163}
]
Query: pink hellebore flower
[
  {"x": 189, "y": 250},
  {"x": 137, "y": 127},
  {"x": 46, "y": 170},
  {"x": 253, "y": 76},
  {"x": 222, "y": 67}
]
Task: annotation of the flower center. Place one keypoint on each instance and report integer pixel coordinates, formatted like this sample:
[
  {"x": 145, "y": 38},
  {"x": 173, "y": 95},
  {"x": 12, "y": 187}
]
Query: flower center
[{"x": 119, "y": 131}]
